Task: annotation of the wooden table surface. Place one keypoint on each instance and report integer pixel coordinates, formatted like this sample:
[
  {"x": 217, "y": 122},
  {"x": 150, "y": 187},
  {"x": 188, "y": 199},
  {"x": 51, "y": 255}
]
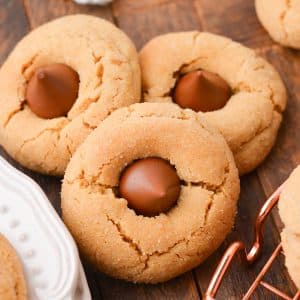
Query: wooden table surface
[{"x": 142, "y": 20}]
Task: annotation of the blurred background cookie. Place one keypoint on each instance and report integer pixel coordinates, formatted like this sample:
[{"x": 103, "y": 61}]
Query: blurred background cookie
[
  {"x": 239, "y": 92},
  {"x": 59, "y": 83},
  {"x": 12, "y": 281},
  {"x": 188, "y": 179},
  {"x": 281, "y": 18},
  {"x": 289, "y": 210}
]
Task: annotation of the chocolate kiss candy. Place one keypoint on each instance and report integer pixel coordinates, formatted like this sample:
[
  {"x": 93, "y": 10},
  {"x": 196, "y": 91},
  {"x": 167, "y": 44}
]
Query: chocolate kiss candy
[
  {"x": 201, "y": 91},
  {"x": 52, "y": 91},
  {"x": 150, "y": 185}
]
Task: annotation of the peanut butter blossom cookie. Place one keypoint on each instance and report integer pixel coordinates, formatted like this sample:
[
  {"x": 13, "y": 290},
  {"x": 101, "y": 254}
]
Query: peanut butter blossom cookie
[
  {"x": 59, "y": 83},
  {"x": 238, "y": 92},
  {"x": 289, "y": 210},
  {"x": 12, "y": 282},
  {"x": 281, "y": 18},
  {"x": 156, "y": 198}
]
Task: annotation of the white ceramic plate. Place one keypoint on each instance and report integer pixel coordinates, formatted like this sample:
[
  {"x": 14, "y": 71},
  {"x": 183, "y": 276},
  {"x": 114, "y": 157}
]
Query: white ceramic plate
[
  {"x": 47, "y": 251},
  {"x": 99, "y": 2}
]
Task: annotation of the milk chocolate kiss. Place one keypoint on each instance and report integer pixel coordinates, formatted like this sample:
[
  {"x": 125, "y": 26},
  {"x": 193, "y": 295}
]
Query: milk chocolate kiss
[
  {"x": 52, "y": 91},
  {"x": 201, "y": 91},
  {"x": 151, "y": 186}
]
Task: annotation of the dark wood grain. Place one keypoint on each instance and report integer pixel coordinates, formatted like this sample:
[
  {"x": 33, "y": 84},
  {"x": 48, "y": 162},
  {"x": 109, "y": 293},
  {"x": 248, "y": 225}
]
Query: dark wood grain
[
  {"x": 235, "y": 19},
  {"x": 41, "y": 11},
  {"x": 142, "y": 20},
  {"x": 166, "y": 16},
  {"x": 183, "y": 287},
  {"x": 13, "y": 25},
  {"x": 122, "y": 7}
]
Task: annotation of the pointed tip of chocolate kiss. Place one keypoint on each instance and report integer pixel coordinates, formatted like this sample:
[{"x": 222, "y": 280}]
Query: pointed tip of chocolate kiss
[
  {"x": 150, "y": 185},
  {"x": 41, "y": 74},
  {"x": 52, "y": 91},
  {"x": 201, "y": 90}
]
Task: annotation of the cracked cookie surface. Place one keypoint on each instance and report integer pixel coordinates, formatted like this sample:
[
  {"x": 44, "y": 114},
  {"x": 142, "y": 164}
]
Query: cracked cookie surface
[
  {"x": 107, "y": 64},
  {"x": 250, "y": 120},
  {"x": 289, "y": 210},
  {"x": 150, "y": 249},
  {"x": 281, "y": 18},
  {"x": 12, "y": 282}
]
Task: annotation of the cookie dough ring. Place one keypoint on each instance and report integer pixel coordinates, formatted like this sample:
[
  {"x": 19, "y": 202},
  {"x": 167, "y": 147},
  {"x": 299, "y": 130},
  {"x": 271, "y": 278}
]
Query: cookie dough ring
[
  {"x": 107, "y": 64},
  {"x": 251, "y": 118},
  {"x": 281, "y": 18},
  {"x": 150, "y": 249},
  {"x": 12, "y": 282},
  {"x": 289, "y": 210}
]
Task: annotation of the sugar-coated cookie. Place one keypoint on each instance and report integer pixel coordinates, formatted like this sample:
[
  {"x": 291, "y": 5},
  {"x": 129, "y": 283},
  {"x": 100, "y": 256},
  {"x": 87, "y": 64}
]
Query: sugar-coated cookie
[
  {"x": 138, "y": 152},
  {"x": 59, "y": 83},
  {"x": 281, "y": 18},
  {"x": 12, "y": 282},
  {"x": 289, "y": 210},
  {"x": 239, "y": 92}
]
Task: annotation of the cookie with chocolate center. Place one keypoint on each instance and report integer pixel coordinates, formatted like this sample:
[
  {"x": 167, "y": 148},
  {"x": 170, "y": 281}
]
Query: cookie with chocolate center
[
  {"x": 151, "y": 193},
  {"x": 59, "y": 83},
  {"x": 238, "y": 92}
]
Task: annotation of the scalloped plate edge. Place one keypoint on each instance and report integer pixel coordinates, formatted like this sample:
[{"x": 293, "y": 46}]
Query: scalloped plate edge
[{"x": 76, "y": 287}]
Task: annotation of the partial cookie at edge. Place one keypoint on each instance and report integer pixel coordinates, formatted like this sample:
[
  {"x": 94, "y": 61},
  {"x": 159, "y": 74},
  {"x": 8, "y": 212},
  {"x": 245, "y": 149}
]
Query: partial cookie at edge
[
  {"x": 281, "y": 18},
  {"x": 289, "y": 210},
  {"x": 12, "y": 282}
]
